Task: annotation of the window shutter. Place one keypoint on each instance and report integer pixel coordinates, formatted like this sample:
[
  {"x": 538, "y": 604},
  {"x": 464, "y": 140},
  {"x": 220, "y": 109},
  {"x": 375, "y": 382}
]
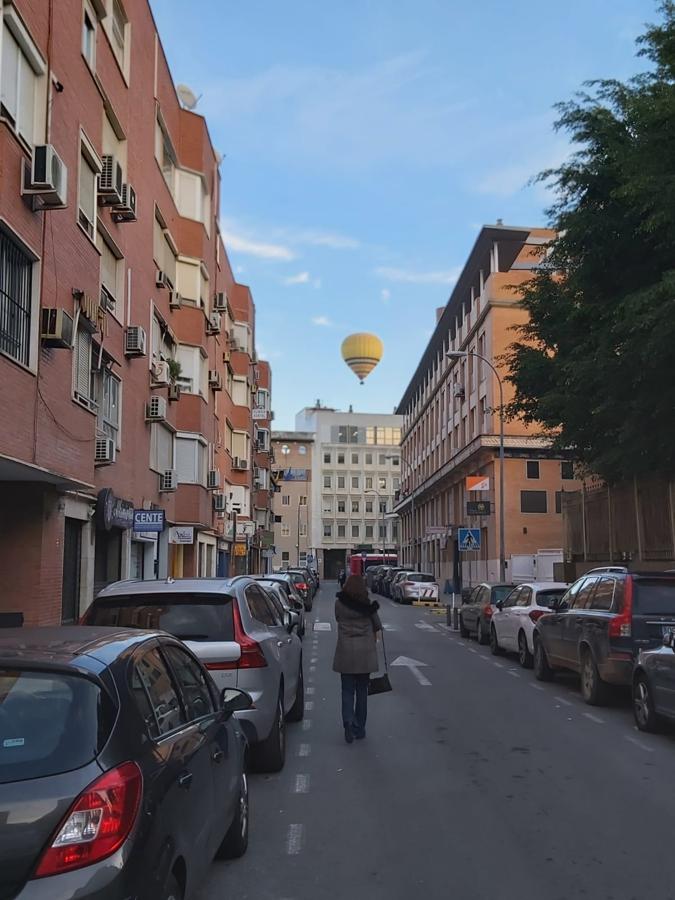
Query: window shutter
[
  {"x": 26, "y": 124},
  {"x": 10, "y": 73},
  {"x": 83, "y": 364}
]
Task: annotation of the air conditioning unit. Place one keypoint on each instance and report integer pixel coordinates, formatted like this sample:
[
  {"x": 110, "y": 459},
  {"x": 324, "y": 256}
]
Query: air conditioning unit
[
  {"x": 155, "y": 410},
  {"x": 135, "y": 341},
  {"x": 240, "y": 463},
  {"x": 219, "y": 502},
  {"x": 56, "y": 328},
  {"x": 47, "y": 178},
  {"x": 168, "y": 481},
  {"x": 175, "y": 300},
  {"x": 104, "y": 451},
  {"x": 227, "y": 355},
  {"x": 234, "y": 343},
  {"x": 212, "y": 479},
  {"x": 126, "y": 211},
  {"x": 220, "y": 301},
  {"x": 458, "y": 391},
  {"x": 271, "y": 416},
  {"x": 215, "y": 323},
  {"x": 161, "y": 279},
  {"x": 215, "y": 380},
  {"x": 160, "y": 372},
  {"x": 109, "y": 189},
  {"x": 174, "y": 392},
  {"x": 257, "y": 476}
]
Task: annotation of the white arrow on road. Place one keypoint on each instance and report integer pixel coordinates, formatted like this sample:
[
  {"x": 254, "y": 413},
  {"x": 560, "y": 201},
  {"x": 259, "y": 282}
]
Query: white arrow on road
[{"x": 414, "y": 665}]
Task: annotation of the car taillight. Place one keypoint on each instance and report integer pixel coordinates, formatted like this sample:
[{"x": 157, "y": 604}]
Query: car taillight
[
  {"x": 487, "y": 611},
  {"x": 620, "y": 626},
  {"x": 97, "y": 824},
  {"x": 302, "y": 586},
  {"x": 536, "y": 614},
  {"x": 251, "y": 657}
]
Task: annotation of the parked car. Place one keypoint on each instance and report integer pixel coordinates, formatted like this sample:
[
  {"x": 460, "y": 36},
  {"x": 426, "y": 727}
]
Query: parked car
[
  {"x": 232, "y": 626},
  {"x": 372, "y": 573},
  {"x": 410, "y": 586},
  {"x": 378, "y": 577},
  {"x": 304, "y": 586},
  {"x": 477, "y": 609},
  {"x": 394, "y": 583},
  {"x": 654, "y": 685},
  {"x": 389, "y": 576},
  {"x": 513, "y": 621},
  {"x": 280, "y": 592},
  {"x": 284, "y": 578},
  {"x": 122, "y": 766},
  {"x": 601, "y": 624}
]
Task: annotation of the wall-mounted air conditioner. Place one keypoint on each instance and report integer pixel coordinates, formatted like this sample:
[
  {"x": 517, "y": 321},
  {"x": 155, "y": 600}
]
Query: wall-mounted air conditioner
[
  {"x": 135, "y": 341},
  {"x": 104, "y": 451},
  {"x": 56, "y": 328},
  {"x": 168, "y": 481},
  {"x": 155, "y": 410},
  {"x": 240, "y": 463},
  {"x": 126, "y": 211},
  {"x": 174, "y": 392},
  {"x": 220, "y": 301},
  {"x": 160, "y": 372},
  {"x": 219, "y": 502},
  {"x": 214, "y": 323},
  {"x": 175, "y": 300},
  {"x": 47, "y": 179},
  {"x": 215, "y": 380},
  {"x": 213, "y": 479},
  {"x": 109, "y": 184}
]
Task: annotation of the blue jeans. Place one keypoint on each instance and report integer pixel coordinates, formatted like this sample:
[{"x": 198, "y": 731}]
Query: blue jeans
[{"x": 355, "y": 702}]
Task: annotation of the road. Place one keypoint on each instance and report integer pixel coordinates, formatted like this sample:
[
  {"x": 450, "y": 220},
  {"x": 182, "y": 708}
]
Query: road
[{"x": 482, "y": 783}]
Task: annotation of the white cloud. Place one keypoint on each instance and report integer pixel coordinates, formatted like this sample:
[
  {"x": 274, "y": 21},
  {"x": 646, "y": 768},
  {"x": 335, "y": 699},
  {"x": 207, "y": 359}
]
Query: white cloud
[
  {"x": 239, "y": 241},
  {"x": 509, "y": 179},
  {"x": 239, "y": 270},
  {"x": 322, "y": 321},
  {"x": 409, "y": 276},
  {"x": 385, "y": 294},
  {"x": 300, "y": 278},
  {"x": 324, "y": 239}
]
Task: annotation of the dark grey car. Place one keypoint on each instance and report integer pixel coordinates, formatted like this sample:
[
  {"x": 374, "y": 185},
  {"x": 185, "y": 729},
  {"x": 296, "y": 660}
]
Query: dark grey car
[
  {"x": 475, "y": 616},
  {"x": 121, "y": 767},
  {"x": 654, "y": 685}
]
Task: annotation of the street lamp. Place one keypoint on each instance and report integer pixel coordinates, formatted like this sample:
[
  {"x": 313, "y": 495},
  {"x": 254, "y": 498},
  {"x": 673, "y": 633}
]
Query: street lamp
[
  {"x": 384, "y": 528},
  {"x": 463, "y": 354}
]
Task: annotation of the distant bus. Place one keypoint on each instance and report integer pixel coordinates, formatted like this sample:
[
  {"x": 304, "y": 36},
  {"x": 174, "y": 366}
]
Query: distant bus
[{"x": 358, "y": 563}]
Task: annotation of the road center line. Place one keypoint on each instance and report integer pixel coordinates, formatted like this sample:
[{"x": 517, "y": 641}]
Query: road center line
[
  {"x": 294, "y": 839},
  {"x": 537, "y": 687},
  {"x": 593, "y": 718},
  {"x": 638, "y": 743},
  {"x": 304, "y": 749},
  {"x": 310, "y": 691},
  {"x": 312, "y": 668},
  {"x": 562, "y": 701},
  {"x": 306, "y": 724},
  {"x": 472, "y": 650},
  {"x": 499, "y": 665},
  {"x": 309, "y": 705},
  {"x": 514, "y": 674},
  {"x": 301, "y": 785}
]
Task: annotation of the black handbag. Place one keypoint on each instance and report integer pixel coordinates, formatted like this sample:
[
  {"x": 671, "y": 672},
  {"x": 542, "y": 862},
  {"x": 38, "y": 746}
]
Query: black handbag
[{"x": 380, "y": 684}]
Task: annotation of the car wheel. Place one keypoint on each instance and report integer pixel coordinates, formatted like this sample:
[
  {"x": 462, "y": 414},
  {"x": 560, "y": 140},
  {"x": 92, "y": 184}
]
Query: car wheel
[
  {"x": 481, "y": 637},
  {"x": 235, "y": 842},
  {"x": 646, "y": 718},
  {"x": 593, "y": 688},
  {"x": 270, "y": 754},
  {"x": 542, "y": 668},
  {"x": 525, "y": 658},
  {"x": 494, "y": 642},
  {"x": 463, "y": 630},
  {"x": 297, "y": 711},
  {"x": 172, "y": 890}
]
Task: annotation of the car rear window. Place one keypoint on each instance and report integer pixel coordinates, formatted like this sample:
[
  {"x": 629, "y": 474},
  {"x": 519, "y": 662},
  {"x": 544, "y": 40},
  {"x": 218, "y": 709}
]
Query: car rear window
[
  {"x": 415, "y": 576},
  {"x": 190, "y": 617},
  {"x": 548, "y": 598},
  {"x": 654, "y": 598},
  {"x": 501, "y": 592},
  {"x": 50, "y": 723}
]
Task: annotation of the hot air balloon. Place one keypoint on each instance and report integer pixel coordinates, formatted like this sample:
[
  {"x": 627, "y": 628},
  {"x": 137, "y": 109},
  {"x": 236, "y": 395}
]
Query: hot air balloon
[{"x": 362, "y": 352}]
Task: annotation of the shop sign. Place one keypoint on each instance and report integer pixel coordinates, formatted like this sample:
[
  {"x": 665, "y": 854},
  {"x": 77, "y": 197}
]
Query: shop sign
[
  {"x": 477, "y": 483},
  {"x": 149, "y": 520},
  {"x": 240, "y": 549},
  {"x": 266, "y": 539},
  {"x": 259, "y": 412},
  {"x": 478, "y": 507},
  {"x": 294, "y": 474},
  {"x": 112, "y": 511},
  {"x": 182, "y": 534}
]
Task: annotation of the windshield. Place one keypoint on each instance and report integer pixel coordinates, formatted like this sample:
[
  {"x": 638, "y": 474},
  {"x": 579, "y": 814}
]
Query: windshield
[
  {"x": 654, "y": 598},
  {"x": 190, "y": 617},
  {"x": 501, "y": 592},
  {"x": 49, "y": 723}
]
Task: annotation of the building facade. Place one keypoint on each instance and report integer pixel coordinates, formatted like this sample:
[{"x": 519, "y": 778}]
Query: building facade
[
  {"x": 451, "y": 423},
  {"x": 120, "y": 318},
  {"x": 356, "y": 468},
  {"x": 292, "y": 502}
]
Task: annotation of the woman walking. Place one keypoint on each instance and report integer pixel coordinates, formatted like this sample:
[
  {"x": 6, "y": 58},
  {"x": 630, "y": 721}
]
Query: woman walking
[{"x": 356, "y": 652}]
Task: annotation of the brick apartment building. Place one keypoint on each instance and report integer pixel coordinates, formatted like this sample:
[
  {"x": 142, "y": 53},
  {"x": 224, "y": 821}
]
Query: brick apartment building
[
  {"x": 128, "y": 372},
  {"x": 292, "y": 502},
  {"x": 451, "y": 427}
]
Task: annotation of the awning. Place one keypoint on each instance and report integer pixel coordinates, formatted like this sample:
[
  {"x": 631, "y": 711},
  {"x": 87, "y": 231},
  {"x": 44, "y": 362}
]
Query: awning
[{"x": 17, "y": 470}]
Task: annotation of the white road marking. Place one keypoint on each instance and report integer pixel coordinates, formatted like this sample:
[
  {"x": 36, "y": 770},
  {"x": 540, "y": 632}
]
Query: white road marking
[
  {"x": 315, "y": 659},
  {"x": 312, "y": 668},
  {"x": 563, "y": 701},
  {"x": 537, "y": 687},
  {"x": 323, "y": 626},
  {"x": 471, "y": 649},
  {"x": 301, "y": 785},
  {"x": 309, "y": 705},
  {"x": 424, "y": 626},
  {"x": 499, "y": 665},
  {"x": 304, "y": 749},
  {"x": 514, "y": 674},
  {"x": 294, "y": 839},
  {"x": 306, "y": 724},
  {"x": 639, "y": 743},
  {"x": 593, "y": 718},
  {"x": 310, "y": 691},
  {"x": 388, "y": 627},
  {"x": 414, "y": 665}
]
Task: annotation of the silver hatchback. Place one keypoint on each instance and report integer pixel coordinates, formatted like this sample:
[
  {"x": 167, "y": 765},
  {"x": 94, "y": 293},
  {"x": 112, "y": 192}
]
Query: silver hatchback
[{"x": 239, "y": 634}]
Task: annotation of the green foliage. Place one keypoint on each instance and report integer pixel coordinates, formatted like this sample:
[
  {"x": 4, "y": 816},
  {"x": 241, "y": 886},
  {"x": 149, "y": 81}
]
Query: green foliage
[{"x": 594, "y": 365}]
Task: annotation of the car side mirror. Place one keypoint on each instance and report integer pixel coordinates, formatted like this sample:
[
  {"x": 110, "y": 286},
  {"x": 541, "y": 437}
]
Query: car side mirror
[
  {"x": 668, "y": 639},
  {"x": 561, "y": 606},
  {"x": 499, "y": 604},
  {"x": 234, "y": 700},
  {"x": 288, "y": 621}
]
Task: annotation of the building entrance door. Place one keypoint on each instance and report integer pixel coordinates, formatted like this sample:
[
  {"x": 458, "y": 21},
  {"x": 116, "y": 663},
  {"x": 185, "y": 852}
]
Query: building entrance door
[{"x": 70, "y": 586}]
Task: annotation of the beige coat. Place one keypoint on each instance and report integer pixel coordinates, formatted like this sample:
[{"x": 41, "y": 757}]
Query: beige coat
[{"x": 356, "y": 651}]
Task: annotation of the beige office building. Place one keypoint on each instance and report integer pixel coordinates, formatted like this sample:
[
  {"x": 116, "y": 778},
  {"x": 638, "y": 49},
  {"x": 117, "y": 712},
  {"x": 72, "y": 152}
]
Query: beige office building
[{"x": 292, "y": 502}]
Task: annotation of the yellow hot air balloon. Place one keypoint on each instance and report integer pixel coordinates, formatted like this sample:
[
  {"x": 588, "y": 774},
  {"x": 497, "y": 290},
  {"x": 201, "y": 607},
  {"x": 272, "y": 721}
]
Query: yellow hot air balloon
[{"x": 362, "y": 352}]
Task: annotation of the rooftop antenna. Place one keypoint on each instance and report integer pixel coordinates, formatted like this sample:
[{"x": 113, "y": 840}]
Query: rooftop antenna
[{"x": 187, "y": 96}]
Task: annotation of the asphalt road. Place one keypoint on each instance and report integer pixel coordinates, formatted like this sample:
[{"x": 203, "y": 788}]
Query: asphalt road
[{"x": 482, "y": 783}]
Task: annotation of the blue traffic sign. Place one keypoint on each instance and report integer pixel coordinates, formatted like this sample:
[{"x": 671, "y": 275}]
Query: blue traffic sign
[{"x": 468, "y": 538}]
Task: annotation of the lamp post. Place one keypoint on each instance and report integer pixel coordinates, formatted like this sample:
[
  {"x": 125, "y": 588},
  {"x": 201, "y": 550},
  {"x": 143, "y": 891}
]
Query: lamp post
[
  {"x": 384, "y": 528},
  {"x": 463, "y": 354}
]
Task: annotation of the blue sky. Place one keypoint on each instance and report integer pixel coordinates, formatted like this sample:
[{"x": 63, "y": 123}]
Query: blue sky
[{"x": 365, "y": 142}]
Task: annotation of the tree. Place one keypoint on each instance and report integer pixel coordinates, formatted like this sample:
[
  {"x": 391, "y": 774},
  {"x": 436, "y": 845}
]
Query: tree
[{"x": 594, "y": 367}]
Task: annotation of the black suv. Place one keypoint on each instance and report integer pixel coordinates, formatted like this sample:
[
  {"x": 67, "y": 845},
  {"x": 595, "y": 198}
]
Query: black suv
[{"x": 601, "y": 624}]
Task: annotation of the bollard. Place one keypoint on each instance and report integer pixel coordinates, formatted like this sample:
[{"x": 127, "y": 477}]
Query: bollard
[
  {"x": 455, "y": 619},
  {"x": 448, "y": 615}
]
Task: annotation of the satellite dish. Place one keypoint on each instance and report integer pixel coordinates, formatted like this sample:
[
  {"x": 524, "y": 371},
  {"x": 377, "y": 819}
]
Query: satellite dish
[{"x": 187, "y": 96}]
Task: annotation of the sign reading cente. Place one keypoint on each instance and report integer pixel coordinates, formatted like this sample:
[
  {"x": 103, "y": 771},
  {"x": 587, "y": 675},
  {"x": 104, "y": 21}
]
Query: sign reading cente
[{"x": 149, "y": 520}]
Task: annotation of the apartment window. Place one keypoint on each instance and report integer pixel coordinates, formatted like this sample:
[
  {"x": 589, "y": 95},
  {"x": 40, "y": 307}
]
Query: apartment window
[
  {"x": 355, "y": 506},
  {"x": 382, "y": 459},
  {"x": 356, "y": 531},
  {"x": 342, "y": 506},
  {"x": 22, "y": 83},
  {"x": 302, "y": 450},
  {"x": 286, "y": 500},
  {"x": 109, "y": 390},
  {"x": 191, "y": 458},
  {"x": 285, "y": 556},
  {"x": 341, "y": 482},
  {"x": 16, "y": 300},
  {"x": 327, "y": 505},
  {"x": 396, "y": 460},
  {"x": 327, "y": 458},
  {"x": 558, "y": 501},
  {"x": 383, "y": 506},
  {"x": 369, "y": 459},
  {"x": 89, "y": 37},
  {"x": 90, "y": 167},
  {"x": 193, "y": 377},
  {"x": 119, "y": 29},
  {"x": 191, "y": 283},
  {"x": 112, "y": 271},
  {"x": 567, "y": 470},
  {"x": 161, "y": 447},
  {"x": 533, "y": 502},
  {"x": 262, "y": 399},
  {"x": 327, "y": 481},
  {"x": 303, "y": 530},
  {"x": 356, "y": 481},
  {"x": 164, "y": 250},
  {"x": 395, "y": 484},
  {"x": 382, "y": 532},
  {"x": 285, "y": 530},
  {"x": 192, "y": 199},
  {"x": 84, "y": 389},
  {"x": 355, "y": 459},
  {"x": 165, "y": 154},
  {"x": 240, "y": 392},
  {"x": 342, "y": 531},
  {"x": 369, "y": 531},
  {"x": 532, "y": 466},
  {"x": 327, "y": 531},
  {"x": 382, "y": 483},
  {"x": 302, "y": 501},
  {"x": 264, "y": 439},
  {"x": 369, "y": 506},
  {"x": 341, "y": 459}
]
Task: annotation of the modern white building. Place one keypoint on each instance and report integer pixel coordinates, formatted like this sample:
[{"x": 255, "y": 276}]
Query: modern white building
[{"x": 356, "y": 465}]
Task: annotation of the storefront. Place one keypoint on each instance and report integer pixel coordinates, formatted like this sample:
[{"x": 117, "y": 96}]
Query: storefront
[{"x": 114, "y": 521}]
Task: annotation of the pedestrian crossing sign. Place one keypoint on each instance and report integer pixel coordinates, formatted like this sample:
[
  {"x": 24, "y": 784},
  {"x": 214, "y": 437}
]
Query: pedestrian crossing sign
[{"x": 468, "y": 538}]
